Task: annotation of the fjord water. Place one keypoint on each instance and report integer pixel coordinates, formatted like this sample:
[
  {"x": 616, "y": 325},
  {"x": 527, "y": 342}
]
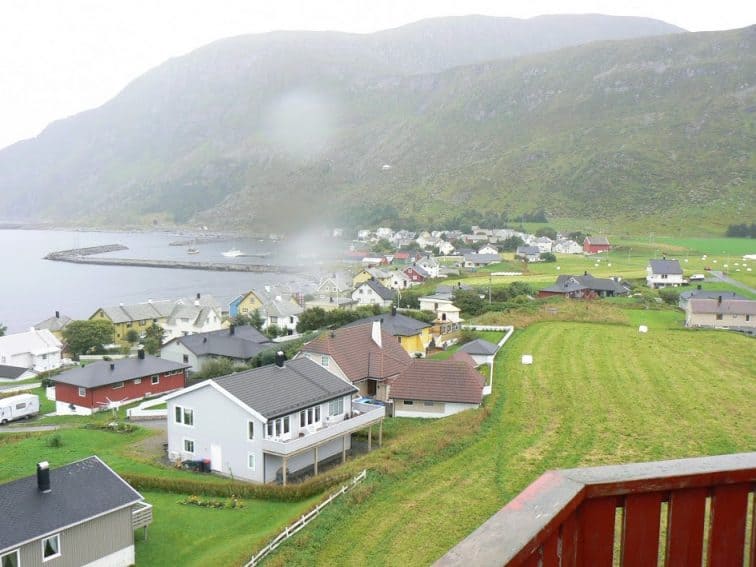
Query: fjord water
[{"x": 32, "y": 289}]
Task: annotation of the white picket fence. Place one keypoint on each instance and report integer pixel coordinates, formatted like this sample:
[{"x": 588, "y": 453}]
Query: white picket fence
[{"x": 304, "y": 520}]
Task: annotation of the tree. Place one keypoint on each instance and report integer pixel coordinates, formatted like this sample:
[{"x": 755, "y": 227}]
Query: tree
[
  {"x": 3, "y": 328},
  {"x": 82, "y": 337},
  {"x": 153, "y": 339},
  {"x": 577, "y": 236},
  {"x": 469, "y": 301},
  {"x": 253, "y": 319},
  {"x": 548, "y": 257},
  {"x": 132, "y": 336},
  {"x": 670, "y": 295},
  {"x": 547, "y": 231},
  {"x": 383, "y": 246},
  {"x": 511, "y": 244}
]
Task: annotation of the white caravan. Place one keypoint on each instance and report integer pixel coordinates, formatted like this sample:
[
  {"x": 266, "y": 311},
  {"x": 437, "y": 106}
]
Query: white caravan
[{"x": 18, "y": 407}]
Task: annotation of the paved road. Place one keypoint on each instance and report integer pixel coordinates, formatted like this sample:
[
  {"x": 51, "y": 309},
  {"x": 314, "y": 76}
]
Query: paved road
[
  {"x": 27, "y": 428},
  {"x": 19, "y": 387},
  {"x": 729, "y": 280}
]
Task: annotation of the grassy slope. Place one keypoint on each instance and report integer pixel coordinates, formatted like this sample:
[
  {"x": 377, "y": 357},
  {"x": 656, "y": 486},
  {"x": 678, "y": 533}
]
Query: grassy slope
[{"x": 628, "y": 397}]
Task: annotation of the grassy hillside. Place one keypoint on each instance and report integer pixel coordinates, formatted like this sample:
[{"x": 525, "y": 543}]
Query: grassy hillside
[
  {"x": 287, "y": 129},
  {"x": 630, "y": 397}
]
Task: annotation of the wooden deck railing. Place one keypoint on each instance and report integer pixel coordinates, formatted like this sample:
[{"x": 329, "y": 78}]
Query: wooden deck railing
[{"x": 666, "y": 512}]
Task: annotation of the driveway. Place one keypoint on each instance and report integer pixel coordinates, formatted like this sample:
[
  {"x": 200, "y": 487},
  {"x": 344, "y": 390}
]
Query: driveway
[{"x": 729, "y": 280}]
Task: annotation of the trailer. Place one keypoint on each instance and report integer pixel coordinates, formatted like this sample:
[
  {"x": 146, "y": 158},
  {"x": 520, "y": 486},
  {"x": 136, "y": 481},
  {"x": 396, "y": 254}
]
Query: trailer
[{"x": 23, "y": 406}]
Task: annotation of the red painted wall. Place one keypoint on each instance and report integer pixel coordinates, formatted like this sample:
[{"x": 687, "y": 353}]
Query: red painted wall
[
  {"x": 97, "y": 398},
  {"x": 594, "y": 248}
]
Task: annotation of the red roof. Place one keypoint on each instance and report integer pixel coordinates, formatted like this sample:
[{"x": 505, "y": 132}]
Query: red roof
[
  {"x": 439, "y": 381},
  {"x": 462, "y": 356},
  {"x": 357, "y": 354}
]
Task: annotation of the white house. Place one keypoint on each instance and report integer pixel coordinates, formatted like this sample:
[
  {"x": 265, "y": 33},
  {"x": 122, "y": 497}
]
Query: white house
[
  {"x": 430, "y": 265},
  {"x": 187, "y": 317},
  {"x": 265, "y": 424},
  {"x": 372, "y": 292},
  {"x": 400, "y": 280},
  {"x": 529, "y": 253},
  {"x": 567, "y": 246},
  {"x": 664, "y": 273},
  {"x": 34, "y": 350},
  {"x": 481, "y": 351},
  {"x": 488, "y": 249}
]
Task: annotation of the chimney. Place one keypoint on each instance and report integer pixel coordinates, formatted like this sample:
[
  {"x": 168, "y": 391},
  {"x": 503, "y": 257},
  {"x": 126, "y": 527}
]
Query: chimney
[
  {"x": 140, "y": 354},
  {"x": 198, "y": 295},
  {"x": 204, "y": 339},
  {"x": 719, "y": 300},
  {"x": 376, "y": 334},
  {"x": 43, "y": 477},
  {"x": 280, "y": 358},
  {"x": 57, "y": 314},
  {"x": 393, "y": 310},
  {"x": 232, "y": 330},
  {"x": 112, "y": 366}
]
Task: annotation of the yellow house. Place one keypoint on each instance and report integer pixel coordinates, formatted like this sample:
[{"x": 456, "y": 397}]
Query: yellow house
[
  {"x": 413, "y": 335},
  {"x": 384, "y": 277},
  {"x": 247, "y": 303},
  {"x": 138, "y": 317},
  {"x": 361, "y": 278},
  {"x": 54, "y": 324}
]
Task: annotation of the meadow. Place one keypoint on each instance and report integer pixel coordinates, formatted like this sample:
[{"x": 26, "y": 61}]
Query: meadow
[{"x": 597, "y": 393}]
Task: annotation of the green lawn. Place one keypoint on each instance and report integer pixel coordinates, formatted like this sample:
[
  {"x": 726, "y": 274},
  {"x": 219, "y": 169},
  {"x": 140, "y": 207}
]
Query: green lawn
[{"x": 596, "y": 394}]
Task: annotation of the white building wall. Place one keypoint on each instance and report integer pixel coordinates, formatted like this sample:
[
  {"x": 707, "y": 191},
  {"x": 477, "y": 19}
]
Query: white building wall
[
  {"x": 175, "y": 352},
  {"x": 417, "y": 409}
]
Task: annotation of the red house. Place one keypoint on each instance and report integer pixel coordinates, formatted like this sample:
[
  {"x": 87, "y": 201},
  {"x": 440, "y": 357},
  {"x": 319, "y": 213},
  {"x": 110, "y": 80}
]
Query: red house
[
  {"x": 106, "y": 384},
  {"x": 596, "y": 244},
  {"x": 415, "y": 273}
]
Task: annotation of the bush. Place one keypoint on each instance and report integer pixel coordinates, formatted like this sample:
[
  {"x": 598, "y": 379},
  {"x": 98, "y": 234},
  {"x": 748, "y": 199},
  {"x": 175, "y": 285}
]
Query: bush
[
  {"x": 55, "y": 441},
  {"x": 670, "y": 295},
  {"x": 548, "y": 257},
  {"x": 467, "y": 335}
]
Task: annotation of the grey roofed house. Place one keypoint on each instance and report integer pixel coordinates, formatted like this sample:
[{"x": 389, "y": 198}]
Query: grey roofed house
[
  {"x": 724, "y": 307},
  {"x": 12, "y": 372},
  {"x": 598, "y": 240},
  {"x": 80, "y": 491},
  {"x": 54, "y": 323},
  {"x": 527, "y": 251},
  {"x": 158, "y": 309},
  {"x": 396, "y": 324},
  {"x": 484, "y": 259},
  {"x": 479, "y": 346},
  {"x": 274, "y": 390},
  {"x": 569, "y": 284},
  {"x": 706, "y": 294},
  {"x": 382, "y": 291},
  {"x": 110, "y": 372},
  {"x": 665, "y": 267},
  {"x": 240, "y": 342}
]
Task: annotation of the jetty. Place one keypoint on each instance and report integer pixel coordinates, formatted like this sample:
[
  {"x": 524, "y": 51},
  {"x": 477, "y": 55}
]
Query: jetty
[{"x": 89, "y": 256}]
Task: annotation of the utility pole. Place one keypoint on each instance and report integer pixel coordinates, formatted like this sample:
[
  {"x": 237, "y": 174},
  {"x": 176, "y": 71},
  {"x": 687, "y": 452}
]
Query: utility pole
[{"x": 489, "y": 288}]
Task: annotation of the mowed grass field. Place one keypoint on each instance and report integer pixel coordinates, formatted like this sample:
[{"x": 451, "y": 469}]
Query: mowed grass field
[{"x": 596, "y": 394}]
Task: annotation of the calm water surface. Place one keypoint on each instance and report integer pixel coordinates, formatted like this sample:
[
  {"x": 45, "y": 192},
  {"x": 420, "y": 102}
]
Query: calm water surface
[{"x": 32, "y": 289}]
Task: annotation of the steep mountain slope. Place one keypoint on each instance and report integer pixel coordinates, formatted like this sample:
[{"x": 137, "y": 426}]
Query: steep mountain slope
[{"x": 279, "y": 129}]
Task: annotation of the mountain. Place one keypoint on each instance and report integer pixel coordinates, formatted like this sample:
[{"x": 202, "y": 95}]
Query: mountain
[{"x": 275, "y": 130}]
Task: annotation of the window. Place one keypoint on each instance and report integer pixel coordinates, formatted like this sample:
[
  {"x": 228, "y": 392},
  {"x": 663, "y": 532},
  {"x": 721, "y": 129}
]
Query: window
[
  {"x": 186, "y": 358},
  {"x": 719, "y": 316},
  {"x": 427, "y": 403},
  {"x": 309, "y": 416},
  {"x": 251, "y": 461},
  {"x": 20, "y": 406},
  {"x": 336, "y": 407},
  {"x": 408, "y": 402},
  {"x": 155, "y": 379},
  {"x": 118, "y": 385},
  {"x": 189, "y": 446},
  {"x": 82, "y": 392},
  {"x": 324, "y": 360},
  {"x": 184, "y": 415},
  {"x": 278, "y": 427},
  {"x": 10, "y": 559},
  {"x": 748, "y": 317},
  {"x": 137, "y": 380},
  {"x": 50, "y": 547},
  {"x": 250, "y": 430}
]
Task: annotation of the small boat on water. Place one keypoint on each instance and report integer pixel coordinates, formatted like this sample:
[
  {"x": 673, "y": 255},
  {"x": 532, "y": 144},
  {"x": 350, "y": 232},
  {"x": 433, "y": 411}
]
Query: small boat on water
[
  {"x": 233, "y": 253},
  {"x": 192, "y": 251}
]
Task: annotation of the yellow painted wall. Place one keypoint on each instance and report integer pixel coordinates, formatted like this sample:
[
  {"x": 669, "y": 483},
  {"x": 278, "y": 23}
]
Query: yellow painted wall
[
  {"x": 249, "y": 304},
  {"x": 361, "y": 277},
  {"x": 121, "y": 329},
  {"x": 417, "y": 343}
]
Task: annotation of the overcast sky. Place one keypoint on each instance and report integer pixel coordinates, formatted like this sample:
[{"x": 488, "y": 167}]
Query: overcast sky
[{"x": 59, "y": 57}]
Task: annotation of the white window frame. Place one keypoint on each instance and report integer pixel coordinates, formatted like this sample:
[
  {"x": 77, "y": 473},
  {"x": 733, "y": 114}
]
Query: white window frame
[
  {"x": 324, "y": 360},
  {"x": 16, "y": 552},
  {"x": 82, "y": 392},
  {"x": 336, "y": 407},
  {"x": 277, "y": 428},
  {"x": 137, "y": 380},
  {"x": 183, "y": 445},
  {"x": 57, "y": 554},
  {"x": 179, "y": 416},
  {"x": 251, "y": 461},
  {"x": 155, "y": 379},
  {"x": 118, "y": 385}
]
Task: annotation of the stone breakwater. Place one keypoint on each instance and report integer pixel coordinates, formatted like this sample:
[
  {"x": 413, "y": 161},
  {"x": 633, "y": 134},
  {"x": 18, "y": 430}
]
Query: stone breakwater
[{"x": 88, "y": 256}]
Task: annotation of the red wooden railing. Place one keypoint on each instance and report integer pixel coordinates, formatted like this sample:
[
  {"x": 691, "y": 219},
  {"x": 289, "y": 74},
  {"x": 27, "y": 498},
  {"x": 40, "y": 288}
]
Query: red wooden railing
[{"x": 661, "y": 513}]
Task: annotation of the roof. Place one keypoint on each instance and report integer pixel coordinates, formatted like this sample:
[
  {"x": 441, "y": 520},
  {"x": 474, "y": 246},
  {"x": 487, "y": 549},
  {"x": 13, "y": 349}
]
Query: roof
[
  {"x": 12, "y": 372},
  {"x": 80, "y": 491},
  {"x": 569, "y": 283},
  {"x": 274, "y": 391},
  {"x": 482, "y": 258},
  {"x": 357, "y": 354},
  {"x": 33, "y": 341},
  {"x": 597, "y": 240},
  {"x": 709, "y": 294},
  {"x": 665, "y": 267},
  {"x": 479, "y": 346},
  {"x": 464, "y": 357},
  {"x": 161, "y": 309},
  {"x": 725, "y": 307},
  {"x": 382, "y": 291},
  {"x": 100, "y": 373},
  {"x": 439, "y": 381},
  {"x": 529, "y": 250},
  {"x": 244, "y": 343},
  {"x": 53, "y": 323},
  {"x": 396, "y": 324}
]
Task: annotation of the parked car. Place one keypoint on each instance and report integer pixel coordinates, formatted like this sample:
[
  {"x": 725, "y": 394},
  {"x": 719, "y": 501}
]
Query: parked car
[{"x": 697, "y": 277}]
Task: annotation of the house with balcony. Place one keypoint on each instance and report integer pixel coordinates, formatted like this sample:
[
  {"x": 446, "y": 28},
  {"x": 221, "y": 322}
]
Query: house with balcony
[
  {"x": 81, "y": 513},
  {"x": 364, "y": 355},
  {"x": 664, "y": 273},
  {"x": 110, "y": 384},
  {"x": 267, "y": 424}
]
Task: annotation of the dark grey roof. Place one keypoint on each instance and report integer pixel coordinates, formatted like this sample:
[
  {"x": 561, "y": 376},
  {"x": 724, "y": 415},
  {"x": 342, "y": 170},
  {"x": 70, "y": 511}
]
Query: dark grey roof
[
  {"x": 100, "y": 373},
  {"x": 665, "y": 267},
  {"x": 380, "y": 289},
  {"x": 483, "y": 258},
  {"x": 80, "y": 491},
  {"x": 397, "y": 325},
  {"x": 709, "y": 294},
  {"x": 479, "y": 346},
  {"x": 11, "y": 372},
  {"x": 275, "y": 391},
  {"x": 244, "y": 343},
  {"x": 568, "y": 283},
  {"x": 528, "y": 250},
  {"x": 54, "y": 323}
]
